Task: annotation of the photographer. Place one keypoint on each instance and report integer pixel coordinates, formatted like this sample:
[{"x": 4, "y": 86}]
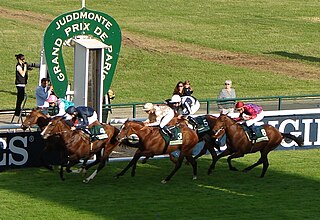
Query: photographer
[{"x": 21, "y": 81}]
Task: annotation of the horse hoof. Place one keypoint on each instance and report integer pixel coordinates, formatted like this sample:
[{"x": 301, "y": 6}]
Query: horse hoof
[
  {"x": 163, "y": 181},
  {"x": 234, "y": 169},
  {"x": 245, "y": 171},
  {"x": 194, "y": 178},
  {"x": 85, "y": 181},
  {"x": 116, "y": 176}
]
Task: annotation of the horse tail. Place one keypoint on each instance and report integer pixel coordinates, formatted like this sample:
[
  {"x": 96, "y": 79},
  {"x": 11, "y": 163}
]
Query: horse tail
[{"x": 298, "y": 140}]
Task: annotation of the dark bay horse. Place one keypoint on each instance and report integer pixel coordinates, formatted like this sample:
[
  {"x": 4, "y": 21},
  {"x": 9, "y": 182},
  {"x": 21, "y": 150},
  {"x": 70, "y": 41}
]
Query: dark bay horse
[
  {"x": 238, "y": 144},
  {"x": 151, "y": 143},
  {"x": 78, "y": 145}
]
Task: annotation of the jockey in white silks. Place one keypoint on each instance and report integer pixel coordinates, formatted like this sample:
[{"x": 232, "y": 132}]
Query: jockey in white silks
[{"x": 159, "y": 115}]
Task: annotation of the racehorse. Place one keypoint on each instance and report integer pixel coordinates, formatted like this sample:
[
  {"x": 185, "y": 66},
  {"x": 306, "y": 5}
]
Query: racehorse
[
  {"x": 152, "y": 143},
  {"x": 36, "y": 117},
  {"x": 238, "y": 144},
  {"x": 78, "y": 145},
  {"x": 206, "y": 136}
]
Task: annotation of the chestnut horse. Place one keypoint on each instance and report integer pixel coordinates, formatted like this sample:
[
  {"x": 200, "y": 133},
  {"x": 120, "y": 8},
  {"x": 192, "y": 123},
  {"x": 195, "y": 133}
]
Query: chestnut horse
[
  {"x": 206, "y": 136},
  {"x": 152, "y": 143},
  {"x": 238, "y": 144},
  {"x": 78, "y": 145},
  {"x": 36, "y": 117}
]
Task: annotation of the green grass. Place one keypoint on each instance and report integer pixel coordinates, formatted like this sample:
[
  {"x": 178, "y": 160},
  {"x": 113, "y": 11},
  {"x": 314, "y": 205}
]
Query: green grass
[
  {"x": 284, "y": 30},
  {"x": 288, "y": 191}
]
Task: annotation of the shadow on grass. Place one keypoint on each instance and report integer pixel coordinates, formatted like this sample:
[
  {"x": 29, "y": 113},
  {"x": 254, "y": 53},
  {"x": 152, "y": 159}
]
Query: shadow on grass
[
  {"x": 285, "y": 192},
  {"x": 295, "y": 56}
]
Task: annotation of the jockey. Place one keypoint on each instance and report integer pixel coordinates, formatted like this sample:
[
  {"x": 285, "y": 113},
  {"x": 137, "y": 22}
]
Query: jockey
[
  {"x": 159, "y": 115},
  {"x": 251, "y": 114},
  {"x": 186, "y": 106},
  {"x": 85, "y": 115},
  {"x": 58, "y": 107}
]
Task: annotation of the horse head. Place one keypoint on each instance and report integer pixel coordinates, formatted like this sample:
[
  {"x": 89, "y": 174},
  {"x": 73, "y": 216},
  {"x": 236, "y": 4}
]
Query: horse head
[
  {"x": 129, "y": 128},
  {"x": 56, "y": 126},
  {"x": 220, "y": 125},
  {"x": 36, "y": 117}
]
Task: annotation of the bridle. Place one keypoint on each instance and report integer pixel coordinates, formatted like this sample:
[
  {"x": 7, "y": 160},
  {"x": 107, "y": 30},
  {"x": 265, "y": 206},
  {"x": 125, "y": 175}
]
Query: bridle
[{"x": 224, "y": 127}]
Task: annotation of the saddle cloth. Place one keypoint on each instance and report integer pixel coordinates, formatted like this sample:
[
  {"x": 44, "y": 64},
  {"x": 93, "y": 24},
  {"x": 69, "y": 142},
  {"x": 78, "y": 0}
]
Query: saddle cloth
[
  {"x": 98, "y": 132},
  {"x": 176, "y": 136},
  {"x": 260, "y": 133},
  {"x": 203, "y": 125}
]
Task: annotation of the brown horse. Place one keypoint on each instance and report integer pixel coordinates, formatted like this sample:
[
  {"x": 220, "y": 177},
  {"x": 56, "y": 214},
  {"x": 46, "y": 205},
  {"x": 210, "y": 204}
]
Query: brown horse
[
  {"x": 152, "y": 143},
  {"x": 78, "y": 145},
  {"x": 36, "y": 117},
  {"x": 238, "y": 144},
  {"x": 206, "y": 136}
]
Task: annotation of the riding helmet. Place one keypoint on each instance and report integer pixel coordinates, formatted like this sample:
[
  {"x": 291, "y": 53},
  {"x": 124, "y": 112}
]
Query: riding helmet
[
  {"x": 175, "y": 99},
  {"x": 71, "y": 110},
  {"x": 239, "y": 104}
]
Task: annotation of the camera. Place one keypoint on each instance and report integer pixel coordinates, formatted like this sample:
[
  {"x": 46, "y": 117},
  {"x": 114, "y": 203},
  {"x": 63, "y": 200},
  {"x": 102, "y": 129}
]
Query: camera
[{"x": 33, "y": 65}]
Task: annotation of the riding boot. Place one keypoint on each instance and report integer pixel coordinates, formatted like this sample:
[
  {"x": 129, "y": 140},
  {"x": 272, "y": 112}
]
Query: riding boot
[
  {"x": 193, "y": 122},
  {"x": 166, "y": 130},
  {"x": 253, "y": 133}
]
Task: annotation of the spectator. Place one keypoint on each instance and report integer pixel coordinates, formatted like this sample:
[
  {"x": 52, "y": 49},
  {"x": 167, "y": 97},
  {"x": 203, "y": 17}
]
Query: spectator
[
  {"x": 187, "y": 89},
  {"x": 159, "y": 115},
  {"x": 185, "y": 106},
  {"x": 251, "y": 114},
  {"x": 42, "y": 94},
  {"x": 21, "y": 81},
  {"x": 229, "y": 94},
  {"x": 178, "y": 90}
]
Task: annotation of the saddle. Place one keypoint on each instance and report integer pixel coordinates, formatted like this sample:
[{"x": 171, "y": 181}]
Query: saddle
[{"x": 261, "y": 134}]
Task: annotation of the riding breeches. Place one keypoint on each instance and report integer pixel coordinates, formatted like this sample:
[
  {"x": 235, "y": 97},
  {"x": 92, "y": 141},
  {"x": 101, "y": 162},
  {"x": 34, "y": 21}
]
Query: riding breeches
[
  {"x": 255, "y": 120},
  {"x": 166, "y": 119},
  {"x": 93, "y": 118}
]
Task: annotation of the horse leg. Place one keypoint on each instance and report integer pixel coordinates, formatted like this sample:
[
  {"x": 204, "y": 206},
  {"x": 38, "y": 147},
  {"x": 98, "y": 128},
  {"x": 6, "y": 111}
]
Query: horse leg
[
  {"x": 194, "y": 164},
  {"x": 85, "y": 167},
  {"x": 71, "y": 164},
  {"x": 177, "y": 167},
  {"x": 262, "y": 160},
  {"x": 145, "y": 160},
  {"x": 100, "y": 167},
  {"x": 234, "y": 155},
  {"x": 131, "y": 163},
  {"x": 61, "y": 172},
  {"x": 49, "y": 167},
  {"x": 214, "y": 159},
  {"x": 202, "y": 152},
  {"x": 103, "y": 160}
]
